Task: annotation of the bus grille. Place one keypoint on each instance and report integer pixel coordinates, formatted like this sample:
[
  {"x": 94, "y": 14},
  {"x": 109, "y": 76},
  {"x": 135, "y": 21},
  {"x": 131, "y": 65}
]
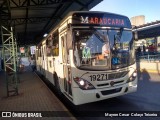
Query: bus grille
[
  {"x": 112, "y": 76},
  {"x": 117, "y": 75},
  {"x": 108, "y": 92},
  {"x": 107, "y": 84}
]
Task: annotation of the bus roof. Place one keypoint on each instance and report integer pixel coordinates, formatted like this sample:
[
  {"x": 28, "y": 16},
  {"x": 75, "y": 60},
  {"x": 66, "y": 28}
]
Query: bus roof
[
  {"x": 95, "y": 18},
  {"x": 93, "y": 12}
]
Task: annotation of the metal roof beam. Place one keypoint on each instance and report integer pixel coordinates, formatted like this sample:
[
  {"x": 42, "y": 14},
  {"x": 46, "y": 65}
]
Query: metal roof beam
[
  {"x": 23, "y": 3},
  {"x": 21, "y": 21},
  {"x": 53, "y": 15},
  {"x": 80, "y": 3},
  {"x": 5, "y": 6},
  {"x": 5, "y": 9},
  {"x": 38, "y": 36},
  {"x": 86, "y": 6},
  {"x": 5, "y": 13},
  {"x": 83, "y": 5},
  {"x": 25, "y": 29}
]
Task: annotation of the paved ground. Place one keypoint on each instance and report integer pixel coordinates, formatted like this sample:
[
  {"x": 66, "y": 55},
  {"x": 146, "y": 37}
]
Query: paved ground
[{"x": 34, "y": 95}]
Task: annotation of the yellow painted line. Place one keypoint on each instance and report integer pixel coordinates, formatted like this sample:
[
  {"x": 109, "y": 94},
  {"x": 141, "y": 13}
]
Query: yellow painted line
[{"x": 150, "y": 71}]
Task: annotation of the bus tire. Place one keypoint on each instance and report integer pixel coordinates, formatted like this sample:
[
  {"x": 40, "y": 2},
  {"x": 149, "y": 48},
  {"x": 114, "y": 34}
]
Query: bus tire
[{"x": 57, "y": 86}]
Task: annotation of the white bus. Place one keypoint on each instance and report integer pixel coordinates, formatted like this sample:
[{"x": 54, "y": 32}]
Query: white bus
[{"x": 89, "y": 56}]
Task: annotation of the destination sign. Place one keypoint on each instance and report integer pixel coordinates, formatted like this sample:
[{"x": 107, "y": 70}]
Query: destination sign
[{"x": 102, "y": 19}]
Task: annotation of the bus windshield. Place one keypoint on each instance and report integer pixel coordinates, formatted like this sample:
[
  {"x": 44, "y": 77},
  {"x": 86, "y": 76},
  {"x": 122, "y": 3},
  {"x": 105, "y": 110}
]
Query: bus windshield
[{"x": 103, "y": 49}]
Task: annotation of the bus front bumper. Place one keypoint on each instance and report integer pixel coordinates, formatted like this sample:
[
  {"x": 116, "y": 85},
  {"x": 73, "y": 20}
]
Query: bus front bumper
[{"x": 87, "y": 96}]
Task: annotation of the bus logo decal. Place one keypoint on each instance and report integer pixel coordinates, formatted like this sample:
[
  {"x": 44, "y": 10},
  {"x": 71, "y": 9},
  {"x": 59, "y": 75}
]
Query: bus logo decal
[
  {"x": 112, "y": 83},
  {"x": 84, "y": 20}
]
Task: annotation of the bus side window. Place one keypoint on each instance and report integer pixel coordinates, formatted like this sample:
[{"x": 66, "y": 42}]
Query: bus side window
[{"x": 55, "y": 47}]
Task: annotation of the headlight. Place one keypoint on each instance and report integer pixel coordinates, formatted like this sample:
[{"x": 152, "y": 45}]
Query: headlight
[
  {"x": 134, "y": 74},
  {"x": 132, "y": 77},
  {"x": 83, "y": 84}
]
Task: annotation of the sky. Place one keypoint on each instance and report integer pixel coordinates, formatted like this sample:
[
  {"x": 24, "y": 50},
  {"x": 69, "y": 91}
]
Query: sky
[{"x": 149, "y": 8}]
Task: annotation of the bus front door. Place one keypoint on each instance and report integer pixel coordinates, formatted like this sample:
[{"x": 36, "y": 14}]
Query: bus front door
[{"x": 66, "y": 67}]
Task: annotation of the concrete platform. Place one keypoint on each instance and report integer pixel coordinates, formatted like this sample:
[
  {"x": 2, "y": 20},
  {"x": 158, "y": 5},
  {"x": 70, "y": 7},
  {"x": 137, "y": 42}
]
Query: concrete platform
[
  {"x": 33, "y": 96},
  {"x": 151, "y": 67}
]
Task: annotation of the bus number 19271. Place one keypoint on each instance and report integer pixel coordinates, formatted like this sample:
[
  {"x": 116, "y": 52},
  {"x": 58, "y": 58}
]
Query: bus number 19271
[{"x": 98, "y": 77}]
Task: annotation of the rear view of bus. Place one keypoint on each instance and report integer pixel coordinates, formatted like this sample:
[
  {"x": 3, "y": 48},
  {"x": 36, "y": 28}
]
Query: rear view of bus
[{"x": 103, "y": 57}]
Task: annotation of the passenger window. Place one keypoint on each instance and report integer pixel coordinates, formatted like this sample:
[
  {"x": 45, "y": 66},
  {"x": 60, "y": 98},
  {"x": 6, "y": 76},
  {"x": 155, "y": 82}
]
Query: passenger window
[
  {"x": 49, "y": 46},
  {"x": 55, "y": 47}
]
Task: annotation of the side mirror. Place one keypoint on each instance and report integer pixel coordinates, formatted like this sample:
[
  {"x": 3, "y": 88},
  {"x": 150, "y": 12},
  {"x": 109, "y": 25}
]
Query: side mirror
[{"x": 135, "y": 35}]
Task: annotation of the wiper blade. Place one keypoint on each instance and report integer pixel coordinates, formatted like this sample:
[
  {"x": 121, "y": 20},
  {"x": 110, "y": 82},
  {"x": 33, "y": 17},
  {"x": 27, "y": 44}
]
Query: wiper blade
[
  {"x": 99, "y": 35},
  {"x": 118, "y": 36}
]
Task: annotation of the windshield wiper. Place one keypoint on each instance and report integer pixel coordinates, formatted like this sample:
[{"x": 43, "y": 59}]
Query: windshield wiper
[
  {"x": 118, "y": 36},
  {"x": 100, "y": 36}
]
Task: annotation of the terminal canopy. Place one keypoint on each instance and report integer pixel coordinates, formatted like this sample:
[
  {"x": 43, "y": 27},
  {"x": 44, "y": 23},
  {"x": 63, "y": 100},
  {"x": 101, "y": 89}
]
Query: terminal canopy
[
  {"x": 31, "y": 19},
  {"x": 148, "y": 30}
]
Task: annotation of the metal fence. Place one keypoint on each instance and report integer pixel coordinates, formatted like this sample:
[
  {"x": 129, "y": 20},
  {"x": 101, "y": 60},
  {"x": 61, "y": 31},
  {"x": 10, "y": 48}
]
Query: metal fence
[{"x": 149, "y": 57}]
